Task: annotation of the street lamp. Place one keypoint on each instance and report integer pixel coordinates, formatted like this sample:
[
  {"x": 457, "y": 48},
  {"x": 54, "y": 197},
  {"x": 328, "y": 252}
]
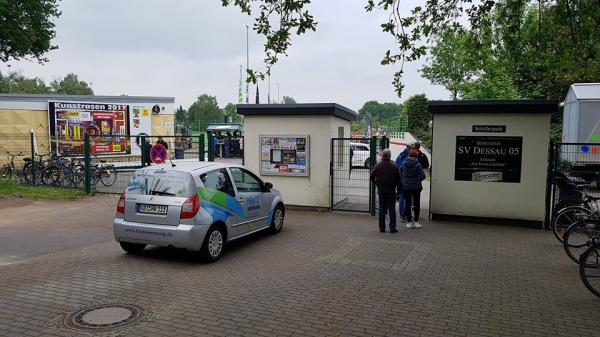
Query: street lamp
[
  {"x": 247, "y": 64},
  {"x": 277, "y": 93}
]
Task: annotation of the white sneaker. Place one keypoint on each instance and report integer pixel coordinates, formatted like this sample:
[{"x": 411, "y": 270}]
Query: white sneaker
[
  {"x": 417, "y": 225},
  {"x": 410, "y": 225}
]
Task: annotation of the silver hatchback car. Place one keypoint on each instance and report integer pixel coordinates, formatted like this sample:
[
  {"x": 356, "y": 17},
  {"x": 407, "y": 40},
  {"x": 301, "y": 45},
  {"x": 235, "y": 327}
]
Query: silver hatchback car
[{"x": 199, "y": 206}]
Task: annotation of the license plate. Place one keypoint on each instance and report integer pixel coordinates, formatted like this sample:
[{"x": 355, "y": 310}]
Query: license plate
[{"x": 152, "y": 209}]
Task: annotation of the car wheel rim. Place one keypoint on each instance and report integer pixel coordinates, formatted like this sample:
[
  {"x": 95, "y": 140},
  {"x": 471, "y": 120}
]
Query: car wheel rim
[
  {"x": 278, "y": 219},
  {"x": 215, "y": 243}
]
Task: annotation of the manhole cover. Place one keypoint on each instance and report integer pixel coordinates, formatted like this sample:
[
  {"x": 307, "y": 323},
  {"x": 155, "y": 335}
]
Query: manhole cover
[{"x": 103, "y": 317}]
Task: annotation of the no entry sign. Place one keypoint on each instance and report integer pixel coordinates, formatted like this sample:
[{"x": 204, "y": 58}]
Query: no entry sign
[{"x": 158, "y": 154}]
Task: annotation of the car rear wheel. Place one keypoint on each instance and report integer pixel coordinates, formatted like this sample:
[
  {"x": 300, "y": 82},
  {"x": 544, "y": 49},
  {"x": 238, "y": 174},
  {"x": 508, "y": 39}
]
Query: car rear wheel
[
  {"x": 277, "y": 220},
  {"x": 368, "y": 163},
  {"x": 214, "y": 242},
  {"x": 132, "y": 248}
]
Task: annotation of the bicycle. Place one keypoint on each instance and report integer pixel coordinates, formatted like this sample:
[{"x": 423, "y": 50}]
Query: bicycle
[
  {"x": 572, "y": 214},
  {"x": 8, "y": 170},
  {"x": 52, "y": 173},
  {"x": 32, "y": 166},
  {"x": 589, "y": 266},
  {"x": 580, "y": 236},
  {"x": 104, "y": 173},
  {"x": 72, "y": 174}
]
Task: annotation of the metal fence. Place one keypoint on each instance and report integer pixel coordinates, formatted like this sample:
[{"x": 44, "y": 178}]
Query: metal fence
[
  {"x": 100, "y": 163},
  {"x": 351, "y": 162},
  {"x": 225, "y": 149},
  {"x": 573, "y": 172}
]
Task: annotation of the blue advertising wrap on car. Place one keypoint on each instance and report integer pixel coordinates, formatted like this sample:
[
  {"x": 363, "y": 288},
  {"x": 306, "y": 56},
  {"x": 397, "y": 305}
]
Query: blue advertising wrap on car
[{"x": 220, "y": 205}]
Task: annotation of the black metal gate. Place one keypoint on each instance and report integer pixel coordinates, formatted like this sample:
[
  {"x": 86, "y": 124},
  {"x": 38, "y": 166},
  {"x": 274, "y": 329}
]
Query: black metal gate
[
  {"x": 350, "y": 165},
  {"x": 226, "y": 149},
  {"x": 573, "y": 172}
]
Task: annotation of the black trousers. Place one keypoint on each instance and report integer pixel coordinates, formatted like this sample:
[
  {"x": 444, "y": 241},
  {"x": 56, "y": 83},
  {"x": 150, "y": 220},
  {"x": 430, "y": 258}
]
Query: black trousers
[
  {"x": 413, "y": 198},
  {"x": 387, "y": 203}
]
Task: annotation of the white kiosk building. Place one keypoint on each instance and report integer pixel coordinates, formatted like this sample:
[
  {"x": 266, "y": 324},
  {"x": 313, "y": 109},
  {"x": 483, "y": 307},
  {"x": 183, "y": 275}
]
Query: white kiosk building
[
  {"x": 289, "y": 145},
  {"x": 490, "y": 160}
]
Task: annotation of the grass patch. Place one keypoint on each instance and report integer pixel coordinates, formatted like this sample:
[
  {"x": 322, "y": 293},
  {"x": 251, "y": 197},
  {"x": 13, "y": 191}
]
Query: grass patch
[{"x": 11, "y": 188}]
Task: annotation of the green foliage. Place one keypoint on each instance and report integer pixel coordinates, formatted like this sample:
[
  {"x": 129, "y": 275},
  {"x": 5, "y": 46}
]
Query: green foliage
[
  {"x": 27, "y": 28},
  {"x": 19, "y": 84},
  {"x": 288, "y": 100},
  {"x": 381, "y": 114},
  {"x": 543, "y": 45},
  {"x": 181, "y": 115},
  {"x": 415, "y": 108},
  {"x": 556, "y": 132},
  {"x": 230, "y": 111},
  {"x": 203, "y": 111},
  {"x": 424, "y": 135},
  {"x": 380, "y": 111},
  {"x": 70, "y": 85},
  {"x": 520, "y": 52}
]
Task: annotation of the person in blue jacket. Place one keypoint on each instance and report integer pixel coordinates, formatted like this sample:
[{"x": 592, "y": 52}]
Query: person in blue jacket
[
  {"x": 412, "y": 175},
  {"x": 401, "y": 201}
]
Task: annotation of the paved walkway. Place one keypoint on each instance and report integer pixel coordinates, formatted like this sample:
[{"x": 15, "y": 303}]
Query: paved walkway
[{"x": 325, "y": 274}]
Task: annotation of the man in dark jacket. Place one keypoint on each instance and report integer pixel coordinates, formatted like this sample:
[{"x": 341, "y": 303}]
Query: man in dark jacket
[
  {"x": 386, "y": 177},
  {"x": 412, "y": 175}
]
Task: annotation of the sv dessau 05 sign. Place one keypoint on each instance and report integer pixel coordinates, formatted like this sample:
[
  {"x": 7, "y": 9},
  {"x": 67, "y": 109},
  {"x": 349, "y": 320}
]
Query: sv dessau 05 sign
[{"x": 488, "y": 159}]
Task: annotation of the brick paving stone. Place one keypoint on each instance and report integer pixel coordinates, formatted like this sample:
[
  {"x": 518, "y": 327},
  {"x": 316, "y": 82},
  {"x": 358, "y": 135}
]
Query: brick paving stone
[{"x": 325, "y": 274}]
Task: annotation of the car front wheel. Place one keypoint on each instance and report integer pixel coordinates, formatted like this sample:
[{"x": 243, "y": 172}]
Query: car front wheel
[{"x": 277, "y": 220}]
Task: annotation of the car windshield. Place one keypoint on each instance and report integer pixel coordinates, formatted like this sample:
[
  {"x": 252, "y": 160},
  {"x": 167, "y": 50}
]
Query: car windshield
[{"x": 161, "y": 182}]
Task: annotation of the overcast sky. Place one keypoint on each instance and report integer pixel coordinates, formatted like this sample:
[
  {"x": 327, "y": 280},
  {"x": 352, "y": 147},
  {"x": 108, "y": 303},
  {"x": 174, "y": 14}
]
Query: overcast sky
[{"x": 186, "y": 48}]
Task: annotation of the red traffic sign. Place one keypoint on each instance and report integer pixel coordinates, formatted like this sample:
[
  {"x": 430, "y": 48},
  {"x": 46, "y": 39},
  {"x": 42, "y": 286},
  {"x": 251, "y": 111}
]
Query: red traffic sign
[{"x": 158, "y": 154}]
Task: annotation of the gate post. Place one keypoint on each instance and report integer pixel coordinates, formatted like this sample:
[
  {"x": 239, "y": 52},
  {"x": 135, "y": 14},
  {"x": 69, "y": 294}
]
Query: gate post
[
  {"x": 211, "y": 148},
  {"x": 372, "y": 161},
  {"x": 144, "y": 151},
  {"x": 242, "y": 151},
  {"x": 385, "y": 143},
  {"x": 201, "y": 147},
  {"x": 32, "y": 159},
  {"x": 331, "y": 175},
  {"x": 549, "y": 184},
  {"x": 87, "y": 163}
]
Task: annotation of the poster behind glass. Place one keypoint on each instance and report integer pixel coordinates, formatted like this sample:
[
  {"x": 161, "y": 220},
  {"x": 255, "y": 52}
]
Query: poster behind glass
[{"x": 284, "y": 155}]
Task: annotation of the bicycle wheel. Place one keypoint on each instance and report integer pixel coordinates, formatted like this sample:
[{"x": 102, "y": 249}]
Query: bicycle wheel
[
  {"x": 66, "y": 177},
  {"x": 578, "y": 238},
  {"x": 78, "y": 175},
  {"x": 589, "y": 269},
  {"x": 573, "y": 201},
  {"x": 109, "y": 175},
  {"x": 6, "y": 173},
  {"x": 566, "y": 218},
  {"x": 46, "y": 176}
]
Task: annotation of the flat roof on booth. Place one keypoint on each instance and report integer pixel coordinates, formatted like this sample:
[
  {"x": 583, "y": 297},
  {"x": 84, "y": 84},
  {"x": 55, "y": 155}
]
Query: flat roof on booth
[
  {"x": 301, "y": 109},
  {"x": 493, "y": 106}
]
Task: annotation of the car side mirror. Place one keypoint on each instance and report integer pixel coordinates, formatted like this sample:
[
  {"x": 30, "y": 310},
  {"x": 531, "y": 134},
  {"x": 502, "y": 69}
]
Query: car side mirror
[{"x": 268, "y": 186}]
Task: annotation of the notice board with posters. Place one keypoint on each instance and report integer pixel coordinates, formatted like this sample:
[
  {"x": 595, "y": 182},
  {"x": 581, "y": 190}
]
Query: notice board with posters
[
  {"x": 488, "y": 159},
  {"x": 284, "y": 155},
  {"x": 107, "y": 125}
]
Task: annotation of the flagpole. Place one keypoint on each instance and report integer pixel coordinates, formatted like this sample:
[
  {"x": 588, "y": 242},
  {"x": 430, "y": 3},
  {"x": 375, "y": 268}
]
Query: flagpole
[{"x": 247, "y": 65}]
